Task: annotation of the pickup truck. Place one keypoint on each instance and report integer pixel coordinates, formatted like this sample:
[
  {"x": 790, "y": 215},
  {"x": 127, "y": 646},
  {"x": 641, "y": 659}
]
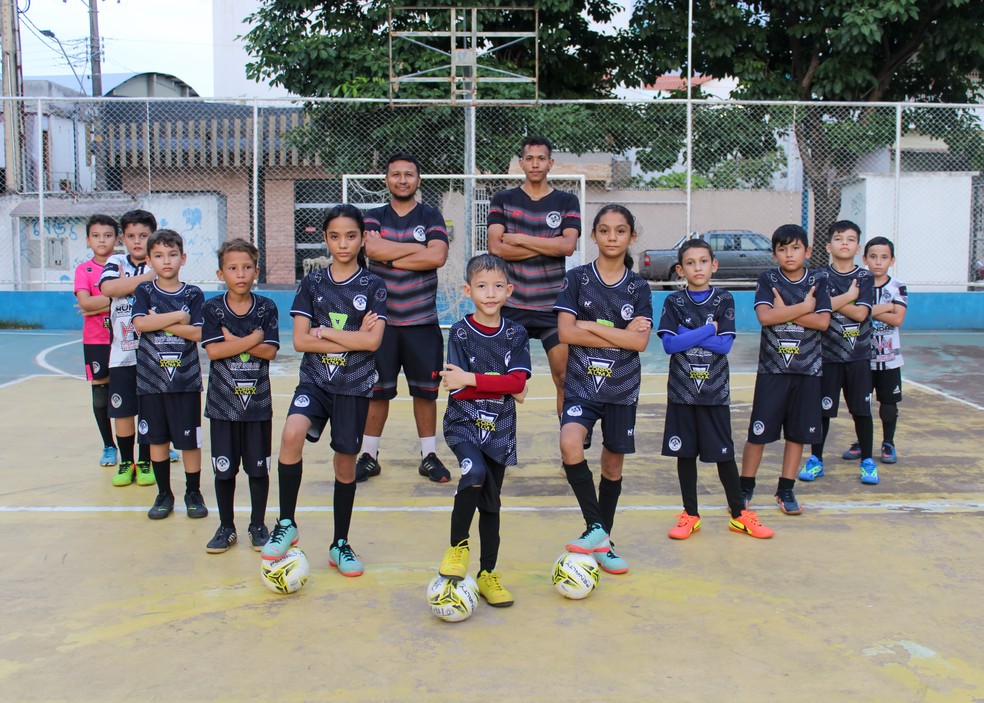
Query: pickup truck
[{"x": 741, "y": 254}]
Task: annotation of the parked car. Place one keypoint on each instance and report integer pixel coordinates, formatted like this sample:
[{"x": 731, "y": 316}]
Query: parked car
[{"x": 741, "y": 254}]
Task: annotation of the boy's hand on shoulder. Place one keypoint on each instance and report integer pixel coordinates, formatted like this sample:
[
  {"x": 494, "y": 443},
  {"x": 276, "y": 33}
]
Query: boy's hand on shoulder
[{"x": 639, "y": 324}]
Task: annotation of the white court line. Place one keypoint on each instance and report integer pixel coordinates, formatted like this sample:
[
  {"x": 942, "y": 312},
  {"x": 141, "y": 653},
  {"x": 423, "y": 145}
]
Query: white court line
[
  {"x": 42, "y": 360},
  {"x": 24, "y": 378},
  {"x": 936, "y": 391}
]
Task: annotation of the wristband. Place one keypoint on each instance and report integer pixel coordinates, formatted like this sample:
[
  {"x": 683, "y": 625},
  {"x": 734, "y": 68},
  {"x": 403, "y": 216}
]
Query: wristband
[{"x": 318, "y": 333}]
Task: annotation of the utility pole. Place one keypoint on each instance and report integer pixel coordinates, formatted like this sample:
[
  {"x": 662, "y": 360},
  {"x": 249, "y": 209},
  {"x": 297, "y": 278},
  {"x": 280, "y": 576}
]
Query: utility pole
[
  {"x": 95, "y": 57},
  {"x": 13, "y": 134}
]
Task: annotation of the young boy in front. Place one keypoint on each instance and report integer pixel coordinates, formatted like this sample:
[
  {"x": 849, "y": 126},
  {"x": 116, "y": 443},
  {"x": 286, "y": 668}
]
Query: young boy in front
[
  {"x": 698, "y": 328},
  {"x": 488, "y": 365},
  {"x": 241, "y": 337},
  {"x": 846, "y": 348},
  {"x": 168, "y": 315},
  {"x": 793, "y": 306},
  {"x": 101, "y": 232}
]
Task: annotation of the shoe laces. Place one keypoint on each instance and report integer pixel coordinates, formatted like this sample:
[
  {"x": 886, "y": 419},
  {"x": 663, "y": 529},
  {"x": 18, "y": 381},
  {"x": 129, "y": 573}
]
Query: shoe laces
[
  {"x": 685, "y": 519},
  {"x": 786, "y": 495},
  {"x": 431, "y": 461},
  {"x": 279, "y": 534},
  {"x": 346, "y": 552},
  {"x": 493, "y": 581},
  {"x": 125, "y": 468},
  {"x": 749, "y": 518}
]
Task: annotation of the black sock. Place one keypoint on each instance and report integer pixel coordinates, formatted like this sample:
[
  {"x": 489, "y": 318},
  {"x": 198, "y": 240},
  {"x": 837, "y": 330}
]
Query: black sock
[
  {"x": 465, "y": 505},
  {"x": 143, "y": 453},
  {"x": 889, "y": 414},
  {"x": 193, "y": 482},
  {"x": 817, "y": 449},
  {"x": 289, "y": 476},
  {"x": 865, "y": 429},
  {"x": 100, "y": 405},
  {"x": 225, "y": 494},
  {"x": 162, "y": 472},
  {"x": 259, "y": 491},
  {"x": 786, "y": 483},
  {"x": 582, "y": 483},
  {"x": 126, "y": 448},
  {"x": 608, "y": 493},
  {"x": 343, "y": 503},
  {"x": 747, "y": 482},
  {"x": 687, "y": 473},
  {"x": 488, "y": 533},
  {"x": 728, "y": 473}
]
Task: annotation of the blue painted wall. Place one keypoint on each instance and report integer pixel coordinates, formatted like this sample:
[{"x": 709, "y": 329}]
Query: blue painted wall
[{"x": 935, "y": 311}]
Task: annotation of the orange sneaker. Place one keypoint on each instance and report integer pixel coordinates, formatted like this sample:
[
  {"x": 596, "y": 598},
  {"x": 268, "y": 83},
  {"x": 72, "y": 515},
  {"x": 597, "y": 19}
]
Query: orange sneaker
[
  {"x": 686, "y": 526},
  {"x": 748, "y": 522}
]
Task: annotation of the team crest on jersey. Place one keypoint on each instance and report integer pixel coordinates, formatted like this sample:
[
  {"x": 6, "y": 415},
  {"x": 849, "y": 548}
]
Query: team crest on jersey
[
  {"x": 461, "y": 333},
  {"x": 553, "y": 219},
  {"x": 485, "y": 424},
  {"x": 699, "y": 373},
  {"x": 419, "y": 233},
  {"x": 381, "y": 293},
  {"x": 627, "y": 312},
  {"x": 359, "y": 302},
  {"x": 564, "y": 284},
  {"x": 245, "y": 390},
  {"x": 507, "y": 358},
  {"x": 630, "y": 289},
  {"x": 333, "y": 362},
  {"x": 338, "y": 319},
  {"x": 851, "y": 333},
  {"x": 788, "y": 348},
  {"x": 599, "y": 370},
  {"x": 584, "y": 279},
  {"x": 170, "y": 362}
]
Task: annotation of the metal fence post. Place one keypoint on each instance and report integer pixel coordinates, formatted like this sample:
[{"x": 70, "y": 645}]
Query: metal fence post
[{"x": 39, "y": 135}]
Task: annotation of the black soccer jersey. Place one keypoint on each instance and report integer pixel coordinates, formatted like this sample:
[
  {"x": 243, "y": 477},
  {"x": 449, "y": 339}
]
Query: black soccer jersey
[
  {"x": 239, "y": 386},
  {"x": 340, "y": 305},
  {"x": 536, "y": 281},
  {"x": 167, "y": 363},
  {"x": 412, "y": 295},
  {"x": 489, "y": 424},
  {"x": 125, "y": 339},
  {"x": 790, "y": 348},
  {"x": 698, "y": 376},
  {"x": 604, "y": 375},
  {"x": 846, "y": 340}
]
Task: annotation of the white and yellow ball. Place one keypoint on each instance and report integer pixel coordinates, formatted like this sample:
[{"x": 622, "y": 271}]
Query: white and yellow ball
[
  {"x": 575, "y": 575},
  {"x": 452, "y": 601},
  {"x": 286, "y": 574}
]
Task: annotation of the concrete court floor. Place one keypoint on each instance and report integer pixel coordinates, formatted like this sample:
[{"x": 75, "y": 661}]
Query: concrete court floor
[{"x": 871, "y": 595}]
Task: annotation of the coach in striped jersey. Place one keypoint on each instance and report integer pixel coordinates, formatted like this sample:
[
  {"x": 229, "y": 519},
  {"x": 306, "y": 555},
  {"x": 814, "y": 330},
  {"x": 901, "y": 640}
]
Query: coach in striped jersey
[
  {"x": 406, "y": 243},
  {"x": 535, "y": 228}
]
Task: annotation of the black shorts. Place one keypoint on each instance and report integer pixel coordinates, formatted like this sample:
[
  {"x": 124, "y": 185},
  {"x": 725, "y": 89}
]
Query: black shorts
[
  {"x": 235, "y": 442},
  {"x": 123, "y": 392},
  {"x": 171, "y": 418},
  {"x": 786, "y": 402},
  {"x": 539, "y": 324},
  {"x": 854, "y": 378},
  {"x": 888, "y": 385},
  {"x": 477, "y": 468},
  {"x": 698, "y": 430},
  {"x": 419, "y": 351},
  {"x": 96, "y": 358},
  {"x": 617, "y": 423},
  {"x": 346, "y": 412}
]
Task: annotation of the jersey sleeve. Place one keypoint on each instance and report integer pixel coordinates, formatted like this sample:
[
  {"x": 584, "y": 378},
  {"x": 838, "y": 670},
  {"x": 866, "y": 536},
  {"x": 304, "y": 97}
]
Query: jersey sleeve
[
  {"x": 271, "y": 324},
  {"x": 111, "y": 270},
  {"x": 644, "y": 301},
  {"x": 520, "y": 358},
  {"x": 437, "y": 230},
  {"x": 725, "y": 315},
  {"x": 667, "y": 321},
  {"x": 378, "y": 304},
  {"x": 302, "y": 304},
  {"x": 763, "y": 291},
  {"x": 371, "y": 219},
  {"x": 567, "y": 298},
  {"x": 211, "y": 324},
  {"x": 141, "y": 300},
  {"x": 81, "y": 283},
  {"x": 497, "y": 211},
  {"x": 572, "y": 214},
  {"x": 866, "y": 291},
  {"x": 456, "y": 354},
  {"x": 196, "y": 303},
  {"x": 901, "y": 295},
  {"x": 822, "y": 293}
]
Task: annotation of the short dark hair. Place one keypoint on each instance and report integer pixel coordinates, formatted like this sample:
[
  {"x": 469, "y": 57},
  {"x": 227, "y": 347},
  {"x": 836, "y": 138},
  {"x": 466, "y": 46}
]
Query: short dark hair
[
  {"x": 485, "y": 262},
  {"x": 787, "y": 234},
  {"x": 693, "y": 243},
  {"x": 138, "y": 217},
  {"x": 166, "y": 238},
  {"x": 880, "y": 241},
  {"x": 403, "y": 156},
  {"x": 238, "y": 244},
  {"x": 534, "y": 140},
  {"x": 104, "y": 220},
  {"x": 842, "y": 226}
]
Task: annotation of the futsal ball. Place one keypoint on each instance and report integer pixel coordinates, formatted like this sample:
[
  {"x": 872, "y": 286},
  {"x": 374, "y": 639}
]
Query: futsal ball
[
  {"x": 452, "y": 601},
  {"x": 288, "y": 573},
  {"x": 575, "y": 575}
]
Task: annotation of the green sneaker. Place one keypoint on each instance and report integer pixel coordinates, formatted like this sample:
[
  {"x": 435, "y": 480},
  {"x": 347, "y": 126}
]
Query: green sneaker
[
  {"x": 124, "y": 474},
  {"x": 343, "y": 558},
  {"x": 145, "y": 474}
]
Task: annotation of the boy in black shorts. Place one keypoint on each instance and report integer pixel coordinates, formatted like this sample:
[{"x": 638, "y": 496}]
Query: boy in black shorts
[
  {"x": 168, "y": 315},
  {"x": 241, "y": 338},
  {"x": 846, "y": 348},
  {"x": 793, "y": 306}
]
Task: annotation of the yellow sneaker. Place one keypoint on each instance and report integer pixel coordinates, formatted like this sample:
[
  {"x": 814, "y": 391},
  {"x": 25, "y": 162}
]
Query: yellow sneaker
[
  {"x": 491, "y": 588},
  {"x": 455, "y": 563},
  {"x": 124, "y": 474}
]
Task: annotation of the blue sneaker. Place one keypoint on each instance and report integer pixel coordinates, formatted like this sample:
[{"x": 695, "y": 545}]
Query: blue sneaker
[
  {"x": 343, "y": 558},
  {"x": 594, "y": 539},
  {"x": 109, "y": 457},
  {"x": 174, "y": 456},
  {"x": 283, "y": 537},
  {"x": 812, "y": 470},
  {"x": 853, "y": 452},
  {"x": 888, "y": 455},
  {"x": 787, "y": 501},
  {"x": 611, "y": 562},
  {"x": 869, "y": 472}
]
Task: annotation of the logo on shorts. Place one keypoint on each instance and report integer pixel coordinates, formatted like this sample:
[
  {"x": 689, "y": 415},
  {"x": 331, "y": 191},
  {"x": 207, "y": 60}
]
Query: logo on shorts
[
  {"x": 574, "y": 411},
  {"x": 245, "y": 390},
  {"x": 359, "y": 302},
  {"x": 95, "y": 367},
  {"x": 302, "y": 401},
  {"x": 788, "y": 348},
  {"x": 170, "y": 362},
  {"x": 419, "y": 233},
  {"x": 116, "y": 401},
  {"x": 851, "y": 333},
  {"x": 599, "y": 370},
  {"x": 700, "y": 373},
  {"x": 553, "y": 219},
  {"x": 221, "y": 463},
  {"x": 630, "y": 432},
  {"x": 826, "y": 403},
  {"x": 627, "y": 312},
  {"x": 758, "y": 428},
  {"x": 485, "y": 424},
  {"x": 466, "y": 465},
  {"x": 674, "y": 443},
  {"x": 143, "y": 427}
]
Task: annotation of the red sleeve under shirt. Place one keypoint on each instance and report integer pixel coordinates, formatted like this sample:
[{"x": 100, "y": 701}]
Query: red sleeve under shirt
[{"x": 492, "y": 387}]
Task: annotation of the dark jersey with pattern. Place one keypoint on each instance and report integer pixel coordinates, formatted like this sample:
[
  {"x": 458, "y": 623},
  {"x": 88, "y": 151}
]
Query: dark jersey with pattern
[
  {"x": 167, "y": 363},
  {"x": 239, "y": 386},
  {"x": 340, "y": 305},
  {"x": 698, "y": 376},
  {"x": 412, "y": 295},
  {"x": 604, "y": 375},
  {"x": 789, "y": 347},
  {"x": 846, "y": 340},
  {"x": 123, "y": 349},
  {"x": 536, "y": 281},
  {"x": 487, "y": 423}
]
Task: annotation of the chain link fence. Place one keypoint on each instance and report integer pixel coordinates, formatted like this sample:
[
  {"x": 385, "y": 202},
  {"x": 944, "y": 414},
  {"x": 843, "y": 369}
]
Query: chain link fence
[{"x": 266, "y": 170}]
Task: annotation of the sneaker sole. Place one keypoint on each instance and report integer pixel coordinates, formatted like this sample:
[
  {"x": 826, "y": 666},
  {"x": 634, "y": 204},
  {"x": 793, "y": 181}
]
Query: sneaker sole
[
  {"x": 577, "y": 549},
  {"x": 869, "y": 482},
  {"x": 147, "y": 483},
  {"x": 504, "y": 604},
  {"x": 196, "y": 515},
  {"x": 439, "y": 479},
  {"x": 218, "y": 550},
  {"x": 453, "y": 577},
  {"x": 809, "y": 477},
  {"x": 351, "y": 575},
  {"x": 798, "y": 511},
  {"x": 888, "y": 460},
  {"x": 613, "y": 571},
  {"x": 160, "y": 514},
  {"x": 274, "y": 557},
  {"x": 695, "y": 528}
]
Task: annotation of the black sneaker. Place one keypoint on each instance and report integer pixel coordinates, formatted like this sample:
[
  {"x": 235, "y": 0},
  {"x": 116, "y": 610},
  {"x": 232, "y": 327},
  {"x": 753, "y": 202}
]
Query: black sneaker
[
  {"x": 224, "y": 538},
  {"x": 258, "y": 536},
  {"x": 366, "y": 467},
  {"x": 195, "y": 504},
  {"x": 163, "y": 505},
  {"x": 787, "y": 502},
  {"x": 432, "y": 468}
]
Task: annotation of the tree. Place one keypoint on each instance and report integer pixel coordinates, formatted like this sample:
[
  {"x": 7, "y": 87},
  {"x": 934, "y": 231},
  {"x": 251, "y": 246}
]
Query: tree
[{"x": 829, "y": 50}]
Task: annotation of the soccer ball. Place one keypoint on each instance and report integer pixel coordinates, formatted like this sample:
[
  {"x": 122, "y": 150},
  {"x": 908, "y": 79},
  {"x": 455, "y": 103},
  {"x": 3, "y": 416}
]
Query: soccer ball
[
  {"x": 288, "y": 573},
  {"x": 452, "y": 601},
  {"x": 575, "y": 575}
]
